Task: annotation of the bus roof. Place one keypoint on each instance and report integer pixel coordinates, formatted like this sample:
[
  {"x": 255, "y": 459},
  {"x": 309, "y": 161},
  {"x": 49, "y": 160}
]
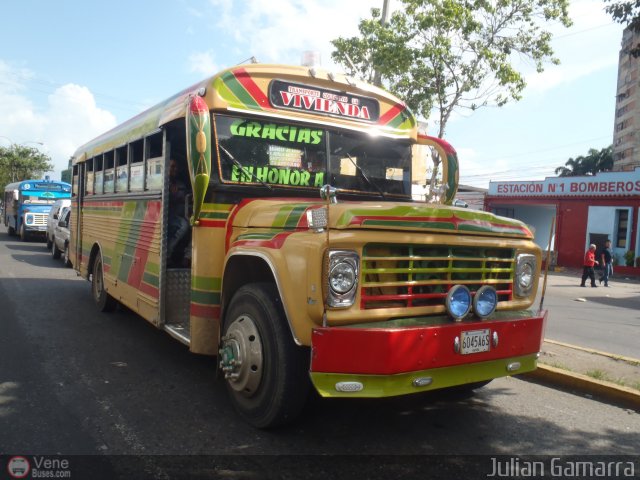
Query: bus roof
[
  {"x": 277, "y": 91},
  {"x": 38, "y": 185}
]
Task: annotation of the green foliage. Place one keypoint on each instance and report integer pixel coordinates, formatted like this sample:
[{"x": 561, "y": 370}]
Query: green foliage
[
  {"x": 595, "y": 161},
  {"x": 629, "y": 258},
  {"x": 19, "y": 162},
  {"x": 445, "y": 55}
]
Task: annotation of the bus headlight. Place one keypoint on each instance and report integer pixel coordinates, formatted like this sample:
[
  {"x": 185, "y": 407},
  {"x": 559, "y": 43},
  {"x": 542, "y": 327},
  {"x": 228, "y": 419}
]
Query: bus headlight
[
  {"x": 485, "y": 301},
  {"x": 525, "y": 274},
  {"x": 458, "y": 302},
  {"x": 342, "y": 278}
]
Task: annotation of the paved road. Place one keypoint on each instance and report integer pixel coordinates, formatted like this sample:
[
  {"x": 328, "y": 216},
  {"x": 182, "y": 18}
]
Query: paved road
[
  {"x": 74, "y": 381},
  {"x": 608, "y": 319}
]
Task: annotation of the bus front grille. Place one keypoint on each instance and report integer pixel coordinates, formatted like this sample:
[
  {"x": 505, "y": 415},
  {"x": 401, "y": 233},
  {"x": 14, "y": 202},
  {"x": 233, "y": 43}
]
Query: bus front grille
[{"x": 405, "y": 276}]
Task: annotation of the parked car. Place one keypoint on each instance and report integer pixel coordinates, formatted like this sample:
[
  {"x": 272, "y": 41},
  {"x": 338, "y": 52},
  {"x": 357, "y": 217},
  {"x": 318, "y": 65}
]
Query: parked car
[
  {"x": 60, "y": 240},
  {"x": 54, "y": 217}
]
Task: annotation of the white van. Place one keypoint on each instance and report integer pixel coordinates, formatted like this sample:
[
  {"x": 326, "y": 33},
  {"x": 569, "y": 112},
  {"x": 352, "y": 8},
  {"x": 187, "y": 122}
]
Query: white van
[{"x": 53, "y": 219}]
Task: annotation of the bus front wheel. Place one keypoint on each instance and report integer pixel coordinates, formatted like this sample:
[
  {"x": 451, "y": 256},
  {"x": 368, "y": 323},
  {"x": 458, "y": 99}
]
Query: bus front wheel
[
  {"x": 24, "y": 236},
  {"x": 266, "y": 373},
  {"x": 104, "y": 301}
]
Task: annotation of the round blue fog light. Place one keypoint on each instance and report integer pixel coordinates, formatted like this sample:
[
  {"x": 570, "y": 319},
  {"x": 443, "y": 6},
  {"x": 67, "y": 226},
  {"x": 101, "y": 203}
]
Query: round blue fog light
[
  {"x": 458, "y": 302},
  {"x": 485, "y": 301}
]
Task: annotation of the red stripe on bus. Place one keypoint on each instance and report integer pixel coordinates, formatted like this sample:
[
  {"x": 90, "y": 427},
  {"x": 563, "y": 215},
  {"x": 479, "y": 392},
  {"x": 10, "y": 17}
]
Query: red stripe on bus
[
  {"x": 205, "y": 311},
  {"x": 149, "y": 290},
  {"x": 391, "y": 114},
  {"x": 254, "y": 90},
  {"x": 141, "y": 253},
  {"x": 212, "y": 223}
]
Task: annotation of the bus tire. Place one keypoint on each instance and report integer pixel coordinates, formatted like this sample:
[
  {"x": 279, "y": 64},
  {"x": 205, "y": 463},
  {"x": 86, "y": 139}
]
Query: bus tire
[
  {"x": 24, "y": 236},
  {"x": 55, "y": 251},
  {"x": 266, "y": 373},
  {"x": 49, "y": 243},
  {"x": 104, "y": 301},
  {"x": 67, "y": 260}
]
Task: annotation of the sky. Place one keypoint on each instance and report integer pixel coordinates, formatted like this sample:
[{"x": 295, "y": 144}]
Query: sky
[{"x": 72, "y": 69}]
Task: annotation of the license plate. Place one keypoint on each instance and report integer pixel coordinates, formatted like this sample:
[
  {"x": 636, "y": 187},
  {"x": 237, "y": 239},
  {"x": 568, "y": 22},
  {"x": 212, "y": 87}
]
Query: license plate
[{"x": 475, "y": 341}]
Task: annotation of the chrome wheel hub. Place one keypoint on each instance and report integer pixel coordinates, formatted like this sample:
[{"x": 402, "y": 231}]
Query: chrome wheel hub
[{"x": 241, "y": 357}]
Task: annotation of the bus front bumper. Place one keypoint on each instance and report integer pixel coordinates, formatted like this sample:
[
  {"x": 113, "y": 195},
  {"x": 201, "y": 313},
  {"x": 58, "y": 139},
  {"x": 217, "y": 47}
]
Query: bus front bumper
[{"x": 384, "y": 362}]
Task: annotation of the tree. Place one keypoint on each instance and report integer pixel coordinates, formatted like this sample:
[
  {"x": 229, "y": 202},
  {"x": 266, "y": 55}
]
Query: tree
[
  {"x": 626, "y": 13},
  {"x": 19, "y": 162},
  {"x": 595, "y": 161},
  {"x": 453, "y": 54},
  {"x": 448, "y": 55}
]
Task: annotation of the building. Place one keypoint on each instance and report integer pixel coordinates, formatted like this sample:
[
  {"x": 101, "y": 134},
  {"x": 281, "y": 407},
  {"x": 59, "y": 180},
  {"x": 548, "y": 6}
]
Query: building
[
  {"x": 626, "y": 132},
  {"x": 585, "y": 210}
]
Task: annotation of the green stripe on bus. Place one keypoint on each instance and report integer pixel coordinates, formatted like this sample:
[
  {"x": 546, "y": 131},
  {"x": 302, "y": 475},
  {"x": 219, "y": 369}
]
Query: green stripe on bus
[
  {"x": 294, "y": 216},
  {"x": 205, "y": 298},
  {"x": 206, "y": 283},
  {"x": 150, "y": 279},
  {"x": 239, "y": 91}
]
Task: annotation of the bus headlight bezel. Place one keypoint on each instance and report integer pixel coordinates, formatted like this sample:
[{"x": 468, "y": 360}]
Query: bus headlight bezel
[
  {"x": 458, "y": 302},
  {"x": 524, "y": 280},
  {"x": 342, "y": 278},
  {"x": 485, "y": 301}
]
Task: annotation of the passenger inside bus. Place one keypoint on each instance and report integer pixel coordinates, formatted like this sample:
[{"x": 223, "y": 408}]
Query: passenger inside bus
[{"x": 178, "y": 241}]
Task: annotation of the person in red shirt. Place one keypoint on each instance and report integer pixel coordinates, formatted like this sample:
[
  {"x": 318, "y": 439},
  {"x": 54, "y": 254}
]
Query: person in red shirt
[{"x": 589, "y": 262}]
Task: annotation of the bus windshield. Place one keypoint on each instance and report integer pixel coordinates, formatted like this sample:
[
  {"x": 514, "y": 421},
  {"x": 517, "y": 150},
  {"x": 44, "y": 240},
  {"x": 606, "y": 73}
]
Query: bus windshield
[{"x": 294, "y": 155}]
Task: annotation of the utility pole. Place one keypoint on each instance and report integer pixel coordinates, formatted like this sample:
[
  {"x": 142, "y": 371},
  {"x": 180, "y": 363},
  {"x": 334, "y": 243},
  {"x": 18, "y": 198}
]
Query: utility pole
[{"x": 377, "y": 76}]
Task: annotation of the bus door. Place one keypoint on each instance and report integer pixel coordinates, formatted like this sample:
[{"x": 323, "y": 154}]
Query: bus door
[{"x": 175, "y": 278}]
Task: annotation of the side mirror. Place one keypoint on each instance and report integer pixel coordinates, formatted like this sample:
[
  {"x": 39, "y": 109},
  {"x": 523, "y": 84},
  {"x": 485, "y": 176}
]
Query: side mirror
[
  {"x": 16, "y": 195},
  {"x": 55, "y": 216},
  {"x": 62, "y": 223}
]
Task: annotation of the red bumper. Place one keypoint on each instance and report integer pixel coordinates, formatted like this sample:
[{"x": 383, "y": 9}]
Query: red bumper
[{"x": 379, "y": 351}]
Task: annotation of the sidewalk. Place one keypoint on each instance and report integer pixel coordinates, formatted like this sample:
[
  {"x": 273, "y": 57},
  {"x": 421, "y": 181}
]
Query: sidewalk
[{"x": 603, "y": 375}]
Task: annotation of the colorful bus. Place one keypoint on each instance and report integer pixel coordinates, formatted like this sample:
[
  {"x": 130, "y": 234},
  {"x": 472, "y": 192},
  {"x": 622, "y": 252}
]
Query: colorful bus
[
  {"x": 27, "y": 204},
  {"x": 308, "y": 261}
]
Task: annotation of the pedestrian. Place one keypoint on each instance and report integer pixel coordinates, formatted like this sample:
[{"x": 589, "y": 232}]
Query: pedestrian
[
  {"x": 607, "y": 263},
  {"x": 589, "y": 262},
  {"x": 178, "y": 223}
]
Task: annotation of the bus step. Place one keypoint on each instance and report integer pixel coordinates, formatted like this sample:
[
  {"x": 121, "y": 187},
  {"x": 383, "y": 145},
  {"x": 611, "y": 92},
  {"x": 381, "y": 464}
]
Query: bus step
[{"x": 179, "y": 331}]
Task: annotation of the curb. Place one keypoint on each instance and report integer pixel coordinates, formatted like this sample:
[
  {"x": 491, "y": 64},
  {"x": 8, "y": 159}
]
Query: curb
[
  {"x": 602, "y": 389},
  {"x": 613, "y": 356}
]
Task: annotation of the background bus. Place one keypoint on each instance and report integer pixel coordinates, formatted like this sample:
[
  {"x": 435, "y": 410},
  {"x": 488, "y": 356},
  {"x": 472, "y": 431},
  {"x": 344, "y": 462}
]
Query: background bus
[
  {"x": 27, "y": 204},
  {"x": 365, "y": 293}
]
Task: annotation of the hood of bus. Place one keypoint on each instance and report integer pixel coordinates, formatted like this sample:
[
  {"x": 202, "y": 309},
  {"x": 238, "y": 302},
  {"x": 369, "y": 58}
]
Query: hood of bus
[
  {"x": 37, "y": 208},
  {"x": 398, "y": 216}
]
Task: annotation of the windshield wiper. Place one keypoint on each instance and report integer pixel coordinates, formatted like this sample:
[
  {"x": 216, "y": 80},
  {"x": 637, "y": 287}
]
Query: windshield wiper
[
  {"x": 242, "y": 169},
  {"x": 367, "y": 179}
]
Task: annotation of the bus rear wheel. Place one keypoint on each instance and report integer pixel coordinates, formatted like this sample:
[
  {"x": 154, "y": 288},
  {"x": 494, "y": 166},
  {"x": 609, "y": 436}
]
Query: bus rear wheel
[
  {"x": 267, "y": 374},
  {"x": 104, "y": 301},
  {"x": 55, "y": 252}
]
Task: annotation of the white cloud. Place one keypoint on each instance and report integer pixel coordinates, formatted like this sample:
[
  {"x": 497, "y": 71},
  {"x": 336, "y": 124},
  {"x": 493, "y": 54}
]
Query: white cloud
[
  {"x": 203, "y": 63},
  {"x": 280, "y": 30},
  {"x": 69, "y": 118}
]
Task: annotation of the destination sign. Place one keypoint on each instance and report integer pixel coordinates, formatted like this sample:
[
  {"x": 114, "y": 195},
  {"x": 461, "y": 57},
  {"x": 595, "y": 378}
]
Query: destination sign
[{"x": 311, "y": 99}]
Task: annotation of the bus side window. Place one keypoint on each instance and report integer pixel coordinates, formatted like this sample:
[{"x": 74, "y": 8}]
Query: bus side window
[
  {"x": 155, "y": 159},
  {"x": 122, "y": 169},
  {"x": 136, "y": 161},
  {"x": 99, "y": 174},
  {"x": 88, "y": 182},
  {"x": 109, "y": 172}
]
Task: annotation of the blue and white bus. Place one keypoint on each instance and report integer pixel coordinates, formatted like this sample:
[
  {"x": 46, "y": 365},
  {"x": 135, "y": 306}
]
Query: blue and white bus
[{"x": 27, "y": 205}]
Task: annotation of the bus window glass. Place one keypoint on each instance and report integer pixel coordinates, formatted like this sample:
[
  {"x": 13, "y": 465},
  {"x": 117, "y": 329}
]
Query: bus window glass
[
  {"x": 155, "y": 160},
  {"x": 75, "y": 181},
  {"x": 122, "y": 174},
  {"x": 136, "y": 157},
  {"x": 269, "y": 152},
  {"x": 362, "y": 163},
  {"x": 89, "y": 177},
  {"x": 99, "y": 174},
  {"x": 108, "y": 172}
]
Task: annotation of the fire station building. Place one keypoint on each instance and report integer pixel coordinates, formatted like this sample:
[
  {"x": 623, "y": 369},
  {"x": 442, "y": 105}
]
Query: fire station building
[{"x": 587, "y": 210}]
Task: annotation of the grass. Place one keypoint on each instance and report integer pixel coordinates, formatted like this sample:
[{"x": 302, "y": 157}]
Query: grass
[{"x": 598, "y": 375}]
